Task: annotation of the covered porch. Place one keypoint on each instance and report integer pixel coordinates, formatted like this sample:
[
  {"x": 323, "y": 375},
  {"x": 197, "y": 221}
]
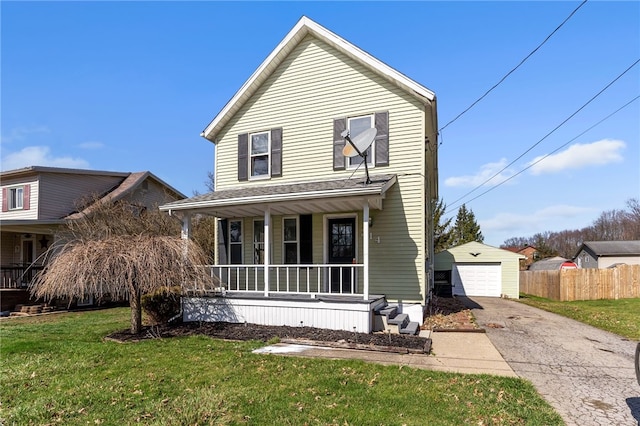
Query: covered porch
[{"x": 293, "y": 255}]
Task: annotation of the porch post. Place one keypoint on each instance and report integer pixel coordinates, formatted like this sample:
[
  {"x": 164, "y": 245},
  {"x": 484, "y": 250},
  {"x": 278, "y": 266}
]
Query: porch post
[
  {"x": 365, "y": 249},
  {"x": 267, "y": 249}
]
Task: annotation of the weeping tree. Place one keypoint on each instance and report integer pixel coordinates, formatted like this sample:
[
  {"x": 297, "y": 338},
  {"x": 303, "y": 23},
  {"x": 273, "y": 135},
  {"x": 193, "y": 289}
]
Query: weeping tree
[{"x": 123, "y": 250}]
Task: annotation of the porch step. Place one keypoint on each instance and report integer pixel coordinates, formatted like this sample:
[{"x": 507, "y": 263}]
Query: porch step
[
  {"x": 412, "y": 328},
  {"x": 388, "y": 319}
]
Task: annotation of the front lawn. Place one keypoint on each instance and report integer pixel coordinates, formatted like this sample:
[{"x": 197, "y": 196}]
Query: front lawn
[
  {"x": 57, "y": 369},
  {"x": 620, "y": 316}
]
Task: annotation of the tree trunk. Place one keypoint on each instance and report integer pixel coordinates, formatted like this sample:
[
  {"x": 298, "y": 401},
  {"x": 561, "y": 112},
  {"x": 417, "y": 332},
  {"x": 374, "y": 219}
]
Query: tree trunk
[{"x": 136, "y": 311}]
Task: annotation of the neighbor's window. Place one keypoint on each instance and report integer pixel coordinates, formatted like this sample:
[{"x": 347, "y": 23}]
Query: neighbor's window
[
  {"x": 290, "y": 239},
  {"x": 258, "y": 242},
  {"x": 260, "y": 151},
  {"x": 16, "y": 195},
  {"x": 357, "y": 125},
  {"x": 235, "y": 242}
]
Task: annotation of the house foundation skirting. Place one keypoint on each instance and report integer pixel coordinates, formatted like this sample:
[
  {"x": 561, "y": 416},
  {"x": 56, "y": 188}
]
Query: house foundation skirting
[{"x": 331, "y": 313}]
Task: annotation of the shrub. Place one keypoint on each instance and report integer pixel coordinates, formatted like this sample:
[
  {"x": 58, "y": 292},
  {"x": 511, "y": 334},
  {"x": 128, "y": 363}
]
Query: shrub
[{"x": 162, "y": 305}]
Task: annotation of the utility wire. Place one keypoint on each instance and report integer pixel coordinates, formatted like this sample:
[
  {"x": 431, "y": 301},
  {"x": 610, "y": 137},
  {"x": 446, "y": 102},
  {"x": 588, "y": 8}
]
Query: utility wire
[
  {"x": 551, "y": 153},
  {"x": 548, "y": 134},
  {"x": 516, "y": 67}
]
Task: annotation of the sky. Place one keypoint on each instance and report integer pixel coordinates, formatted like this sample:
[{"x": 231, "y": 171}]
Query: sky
[{"x": 129, "y": 86}]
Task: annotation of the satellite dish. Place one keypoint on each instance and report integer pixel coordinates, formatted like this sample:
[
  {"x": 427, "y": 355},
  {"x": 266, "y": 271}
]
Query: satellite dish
[{"x": 359, "y": 145}]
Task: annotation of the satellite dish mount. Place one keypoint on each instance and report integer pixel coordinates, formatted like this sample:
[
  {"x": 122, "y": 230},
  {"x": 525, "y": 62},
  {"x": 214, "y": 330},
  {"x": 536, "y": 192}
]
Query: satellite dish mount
[{"x": 359, "y": 146}]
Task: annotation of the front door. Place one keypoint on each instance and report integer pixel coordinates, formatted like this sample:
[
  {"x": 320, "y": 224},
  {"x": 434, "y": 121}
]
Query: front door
[
  {"x": 27, "y": 258},
  {"x": 342, "y": 250}
]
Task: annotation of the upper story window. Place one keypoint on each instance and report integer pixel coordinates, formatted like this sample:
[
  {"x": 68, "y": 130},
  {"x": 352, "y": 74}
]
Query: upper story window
[
  {"x": 357, "y": 125},
  {"x": 260, "y": 154},
  {"x": 378, "y": 152},
  {"x": 16, "y": 198}
]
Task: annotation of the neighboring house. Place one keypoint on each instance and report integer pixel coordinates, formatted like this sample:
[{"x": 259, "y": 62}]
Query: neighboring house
[
  {"x": 552, "y": 264},
  {"x": 476, "y": 269},
  {"x": 303, "y": 238},
  {"x": 530, "y": 254},
  {"x": 37, "y": 200},
  {"x": 602, "y": 254}
]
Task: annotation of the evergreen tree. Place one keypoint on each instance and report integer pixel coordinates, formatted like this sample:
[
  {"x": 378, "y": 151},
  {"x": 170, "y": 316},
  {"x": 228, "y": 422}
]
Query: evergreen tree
[
  {"x": 442, "y": 231},
  {"x": 466, "y": 229}
]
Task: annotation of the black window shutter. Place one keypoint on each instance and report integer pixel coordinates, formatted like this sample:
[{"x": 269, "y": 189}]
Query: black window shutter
[
  {"x": 306, "y": 239},
  {"x": 382, "y": 138},
  {"x": 339, "y": 126},
  {"x": 276, "y": 152},
  {"x": 243, "y": 154},
  {"x": 223, "y": 238}
]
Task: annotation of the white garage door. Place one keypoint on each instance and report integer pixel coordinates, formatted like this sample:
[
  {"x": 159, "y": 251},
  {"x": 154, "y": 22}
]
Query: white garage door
[{"x": 477, "y": 279}]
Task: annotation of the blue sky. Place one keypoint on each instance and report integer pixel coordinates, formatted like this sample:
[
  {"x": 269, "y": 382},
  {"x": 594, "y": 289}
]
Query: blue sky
[{"x": 129, "y": 86}]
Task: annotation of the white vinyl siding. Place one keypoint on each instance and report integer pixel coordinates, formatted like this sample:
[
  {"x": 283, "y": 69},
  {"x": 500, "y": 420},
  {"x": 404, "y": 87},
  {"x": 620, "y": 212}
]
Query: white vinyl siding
[{"x": 314, "y": 85}]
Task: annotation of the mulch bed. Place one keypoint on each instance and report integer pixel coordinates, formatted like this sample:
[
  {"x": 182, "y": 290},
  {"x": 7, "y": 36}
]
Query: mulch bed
[
  {"x": 444, "y": 314},
  {"x": 265, "y": 333}
]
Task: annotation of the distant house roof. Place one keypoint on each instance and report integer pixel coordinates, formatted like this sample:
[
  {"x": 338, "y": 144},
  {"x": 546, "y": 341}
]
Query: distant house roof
[
  {"x": 611, "y": 248},
  {"x": 45, "y": 169},
  {"x": 550, "y": 264},
  {"x": 127, "y": 186},
  {"x": 292, "y": 39}
]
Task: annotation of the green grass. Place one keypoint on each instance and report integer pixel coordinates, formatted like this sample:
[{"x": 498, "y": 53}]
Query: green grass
[
  {"x": 57, "y": 369},
  {"x": 620, "y": 316}
]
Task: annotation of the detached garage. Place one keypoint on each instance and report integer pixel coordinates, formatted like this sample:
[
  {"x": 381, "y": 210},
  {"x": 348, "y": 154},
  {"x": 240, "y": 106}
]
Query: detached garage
[{"x": 476, "y": 269}]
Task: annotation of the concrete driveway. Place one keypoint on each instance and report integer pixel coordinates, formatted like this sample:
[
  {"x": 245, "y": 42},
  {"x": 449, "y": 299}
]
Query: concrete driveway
[{"x": 586, "y": 374}]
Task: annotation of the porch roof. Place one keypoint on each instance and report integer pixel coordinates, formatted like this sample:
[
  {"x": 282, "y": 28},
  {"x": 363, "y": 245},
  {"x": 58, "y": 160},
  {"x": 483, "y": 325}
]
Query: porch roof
[{"x": 297, "y": 198}]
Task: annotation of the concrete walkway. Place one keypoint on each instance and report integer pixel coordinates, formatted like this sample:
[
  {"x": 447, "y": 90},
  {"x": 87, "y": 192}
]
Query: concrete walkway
[
  {"x": 470, "y": 353},
  {"x": 585, "y": 373}
]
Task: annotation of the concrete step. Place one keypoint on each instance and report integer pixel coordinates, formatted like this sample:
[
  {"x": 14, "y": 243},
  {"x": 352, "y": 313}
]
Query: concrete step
[
  {"x": 412, "y": 328},
  {"x": 400, "y": 320}
]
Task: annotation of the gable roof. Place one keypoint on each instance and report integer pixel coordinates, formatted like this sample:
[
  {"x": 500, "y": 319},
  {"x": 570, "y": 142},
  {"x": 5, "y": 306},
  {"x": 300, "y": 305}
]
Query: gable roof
[
  {"x": 292, "y": 39},
  {"x": 611, "y": 248},
  {"x": 475, "y": 249},
  {"x": 127, "y": 186}
]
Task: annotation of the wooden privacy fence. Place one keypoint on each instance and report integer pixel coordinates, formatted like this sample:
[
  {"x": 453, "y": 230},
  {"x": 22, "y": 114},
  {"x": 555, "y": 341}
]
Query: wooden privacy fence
[{"x": 621, "y": 282}]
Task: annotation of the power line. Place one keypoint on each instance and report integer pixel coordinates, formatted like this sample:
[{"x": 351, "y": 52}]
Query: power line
[
  {"x": 550, "y": 133},
  {"x": 515, "y": 68},
  {"x": 551, "y": 153}
]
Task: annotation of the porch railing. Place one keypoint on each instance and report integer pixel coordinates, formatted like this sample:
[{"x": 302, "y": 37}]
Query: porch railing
[
  {"x": 15, "y": 276},
  {"x": 316, "y": 279}
]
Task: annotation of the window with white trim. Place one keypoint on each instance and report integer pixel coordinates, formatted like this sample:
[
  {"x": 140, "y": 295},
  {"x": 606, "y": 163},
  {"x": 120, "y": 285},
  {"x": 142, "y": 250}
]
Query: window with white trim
[
  {"x": 357, "y": 125},
  {"x": 16, "y": 197},
  {"x": 260, "y": 154},
  {"x": 235, "y": 242},
  {"x": 258, "y": 242},
  {"x": 290, "y": 240}
]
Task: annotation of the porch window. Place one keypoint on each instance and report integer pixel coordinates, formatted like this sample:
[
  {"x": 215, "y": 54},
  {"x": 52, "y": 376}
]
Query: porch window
[
  {"x": 235, "y": 242},
  {"x": 290, "y": 240},
  {"x": 357, "y": 125},
  {"x": 258, "y": 242}
]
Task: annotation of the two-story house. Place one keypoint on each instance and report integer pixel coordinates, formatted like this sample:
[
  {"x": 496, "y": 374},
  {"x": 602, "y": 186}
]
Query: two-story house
[
  {"x": 304, "y": 238},
  {"x": 37, "y": 200}
]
